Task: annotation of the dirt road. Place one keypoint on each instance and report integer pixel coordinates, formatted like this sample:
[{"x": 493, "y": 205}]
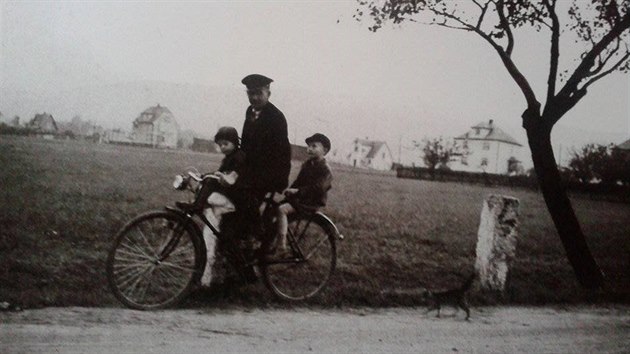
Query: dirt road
[{"x": 490, "y": 330}]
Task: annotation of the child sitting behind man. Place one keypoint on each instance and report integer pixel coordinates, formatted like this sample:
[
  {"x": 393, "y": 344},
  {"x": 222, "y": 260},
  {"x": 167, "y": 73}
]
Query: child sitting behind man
[
  {"x": 309, "y": 191},
  {"x": 214, "y": 195}
]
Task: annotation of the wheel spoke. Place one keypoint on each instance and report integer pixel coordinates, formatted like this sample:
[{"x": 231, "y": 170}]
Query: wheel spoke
[
  {"x": 183, "y": 250},
  {"x": 135, "y": 274},
  {"x": 170, "y": 277},
  {"x": 134, "y": 256},
  {"x": 121, "y": 268},
  {"x": 146, "y": 241},
  {"x": 321, "y": 242},
  {"x": 135, "y": 247},
  {"x": 177, "y": 266},
  {"x": 314, "y": 251},
  {"x": 170, "y": 235}
]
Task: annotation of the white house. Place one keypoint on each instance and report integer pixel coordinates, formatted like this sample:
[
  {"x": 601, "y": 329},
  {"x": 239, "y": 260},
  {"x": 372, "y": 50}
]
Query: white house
[
  {"x": 156, "y": 127},
  {"x": 487, "y": 148},
  {"x": 370, "y": 154}
]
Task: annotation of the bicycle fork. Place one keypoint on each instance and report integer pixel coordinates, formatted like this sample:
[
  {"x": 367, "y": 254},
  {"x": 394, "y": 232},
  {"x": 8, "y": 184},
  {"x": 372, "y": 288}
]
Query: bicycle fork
[{"x": 172, "y": 241}]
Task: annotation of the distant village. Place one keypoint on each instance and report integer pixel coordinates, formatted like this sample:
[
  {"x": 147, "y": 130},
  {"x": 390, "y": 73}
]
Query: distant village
[{"x": 485, "y": 147}]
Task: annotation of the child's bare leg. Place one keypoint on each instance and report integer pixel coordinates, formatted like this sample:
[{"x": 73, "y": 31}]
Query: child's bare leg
[
  {"x": 283, "y": 224},
  {"x": 212, "y": 217},
  {"x": 220, "y": 205},
  {"x": 210, "y": 240}
]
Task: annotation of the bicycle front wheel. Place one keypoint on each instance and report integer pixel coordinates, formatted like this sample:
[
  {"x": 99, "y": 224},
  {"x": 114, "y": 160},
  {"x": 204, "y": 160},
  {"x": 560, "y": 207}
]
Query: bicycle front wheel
[
  {"x": 155, "y": 260},
  {"x": 303, "y": 272}
]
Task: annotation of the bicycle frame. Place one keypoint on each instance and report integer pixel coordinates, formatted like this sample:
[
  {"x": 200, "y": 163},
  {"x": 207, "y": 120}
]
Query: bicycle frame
[
  {"x": 172, "y": 254},
  {"x": 268, "y": 202},
  {"x": 190, "y": 217}
]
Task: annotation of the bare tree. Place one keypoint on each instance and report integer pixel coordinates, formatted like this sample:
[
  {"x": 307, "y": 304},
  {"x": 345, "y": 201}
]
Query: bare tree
[{"x": 600, "y": 25}]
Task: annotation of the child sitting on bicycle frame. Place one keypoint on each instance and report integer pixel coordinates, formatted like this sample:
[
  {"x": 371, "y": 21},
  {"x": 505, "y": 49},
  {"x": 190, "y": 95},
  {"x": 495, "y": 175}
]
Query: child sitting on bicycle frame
[
  {"x": 309, "y": 191},
  {"x": 214, "y": 195}
]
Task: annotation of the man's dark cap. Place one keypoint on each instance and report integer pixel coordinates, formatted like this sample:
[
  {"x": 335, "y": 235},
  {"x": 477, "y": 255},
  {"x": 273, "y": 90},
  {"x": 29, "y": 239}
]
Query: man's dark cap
[
  {"x": 227, "y": 133},
  {"x": 318, "y": 137},
  {"x": 255, "y": 81}
]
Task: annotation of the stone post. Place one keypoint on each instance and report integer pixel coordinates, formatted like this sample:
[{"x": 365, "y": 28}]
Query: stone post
[{"x": 496, "y": 240}]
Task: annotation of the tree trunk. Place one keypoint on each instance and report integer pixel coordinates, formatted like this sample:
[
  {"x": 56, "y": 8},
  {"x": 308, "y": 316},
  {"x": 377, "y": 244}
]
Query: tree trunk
[{"x": 554, "y": 193}]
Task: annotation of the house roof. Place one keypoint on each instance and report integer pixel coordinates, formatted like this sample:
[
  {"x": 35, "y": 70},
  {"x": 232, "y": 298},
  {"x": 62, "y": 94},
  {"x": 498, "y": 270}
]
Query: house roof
[
  {"x": 152, "y": 113},
  {"x": 43, "y": 122},
  {"x": 624, "y": 146},
  {"x": 488, "y": 131},
  {"x": 374, "y": 146}
]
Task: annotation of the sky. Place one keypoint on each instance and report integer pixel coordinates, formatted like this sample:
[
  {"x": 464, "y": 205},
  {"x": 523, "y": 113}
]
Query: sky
[{"x": 399, "y": 84}]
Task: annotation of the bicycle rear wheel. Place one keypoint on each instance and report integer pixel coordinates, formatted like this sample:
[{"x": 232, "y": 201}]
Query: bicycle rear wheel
[
  {"x": 310, "y": 263},
  {"x": 155, "y": 260}
]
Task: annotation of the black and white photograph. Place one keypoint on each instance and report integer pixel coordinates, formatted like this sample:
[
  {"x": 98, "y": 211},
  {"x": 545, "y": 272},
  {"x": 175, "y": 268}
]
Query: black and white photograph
[{"x": 335, "y": 176}]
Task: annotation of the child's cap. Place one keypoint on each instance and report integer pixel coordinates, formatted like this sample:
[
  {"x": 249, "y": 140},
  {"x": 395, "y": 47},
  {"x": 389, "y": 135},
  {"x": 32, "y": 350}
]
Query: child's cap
[
  {"x": 227, "y": 133},
  {"x": 318, "y": 137}
]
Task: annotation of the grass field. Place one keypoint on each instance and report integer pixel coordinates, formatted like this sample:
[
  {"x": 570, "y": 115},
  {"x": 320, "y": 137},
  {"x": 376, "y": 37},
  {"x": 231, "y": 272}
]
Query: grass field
[{"x": 62, "y": 202}]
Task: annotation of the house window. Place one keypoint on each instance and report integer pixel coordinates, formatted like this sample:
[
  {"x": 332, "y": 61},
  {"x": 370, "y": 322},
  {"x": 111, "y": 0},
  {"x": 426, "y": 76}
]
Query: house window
[
  {"x": 476, "y": 131},
  {"x": 486, "y": 146},
  {"x": 464, "y": 160},
  {"x": 484, "y": 162},
  {"x": 383, "y": 156},
  {"x": 356, "y": 148}
]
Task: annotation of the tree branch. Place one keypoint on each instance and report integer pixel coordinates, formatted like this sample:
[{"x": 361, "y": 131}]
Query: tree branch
[
  {"x": 483, "y": 13},
  {"x": 582, "y": 71},
  {"x": 517, "y": 76},
  {"x": 505, "y": 24},
  {"x": 565, "y": 104},
  {"x": 554, "y": 52},
  {"x": 610, "y": 70},
  {"x": 479, "y": 5},
  {"x": 602, "y": 63},
  {"x": 450, "y": 16},
  {"x": 541, "y": 16}
]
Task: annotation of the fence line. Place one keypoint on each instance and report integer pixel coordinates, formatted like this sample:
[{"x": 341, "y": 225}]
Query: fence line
[{"x": 598, "y": 191}]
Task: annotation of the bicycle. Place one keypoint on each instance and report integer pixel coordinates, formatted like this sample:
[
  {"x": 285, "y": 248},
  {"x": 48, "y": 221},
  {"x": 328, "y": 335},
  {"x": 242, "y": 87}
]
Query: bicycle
[{"x": 158, "y": 257}]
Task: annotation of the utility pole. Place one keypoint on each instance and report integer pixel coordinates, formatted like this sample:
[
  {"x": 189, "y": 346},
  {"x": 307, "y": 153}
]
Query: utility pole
[{"x": 399, "y": 147}]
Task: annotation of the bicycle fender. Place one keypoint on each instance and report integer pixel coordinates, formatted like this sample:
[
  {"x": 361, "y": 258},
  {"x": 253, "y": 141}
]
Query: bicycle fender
[{"x": 328, "y": 223}]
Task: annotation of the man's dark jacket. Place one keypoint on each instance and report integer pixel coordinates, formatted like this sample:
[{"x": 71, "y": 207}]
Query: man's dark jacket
[{"x": 266, "y": 145}]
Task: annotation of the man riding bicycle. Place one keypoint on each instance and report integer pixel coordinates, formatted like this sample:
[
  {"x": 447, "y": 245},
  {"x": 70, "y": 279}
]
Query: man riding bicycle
[{"x": 266, "y": 145}]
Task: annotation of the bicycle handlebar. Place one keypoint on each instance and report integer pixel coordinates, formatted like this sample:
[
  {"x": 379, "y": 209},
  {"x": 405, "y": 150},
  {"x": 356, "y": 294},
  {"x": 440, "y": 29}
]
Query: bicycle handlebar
[{"x": 198, "y": 178}]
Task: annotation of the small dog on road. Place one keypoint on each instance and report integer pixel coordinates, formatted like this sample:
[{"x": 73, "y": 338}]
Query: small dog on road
[{"x": 454, "y": 297}]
